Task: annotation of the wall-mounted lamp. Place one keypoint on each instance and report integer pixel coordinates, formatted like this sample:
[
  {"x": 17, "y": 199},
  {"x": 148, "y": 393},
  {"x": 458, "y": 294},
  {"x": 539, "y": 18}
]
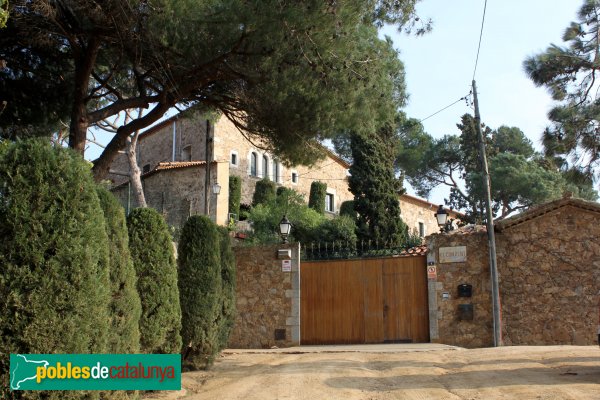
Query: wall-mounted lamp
[
  {"x": 216, "y": 188},
  {"x": 443, "y": 222},
  {"x": 285, "y": 228}
]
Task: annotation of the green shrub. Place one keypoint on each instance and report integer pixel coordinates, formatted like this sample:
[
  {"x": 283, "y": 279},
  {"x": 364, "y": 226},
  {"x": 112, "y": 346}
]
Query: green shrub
[
  {"x": 316, "y": 200},
  {"x": 54, "y": 280},
  {"x": 347, "y": 208},
  {"x": 266, "y": 217},
  {"x": 235, "y": 195},
  {"x": 199, "y": 262},
  {"x": 340, "y": 230},
  {"x": 154, "y": 262},
  {"x": 228, "y": 278},
  {"x": 125, "y": 306},
  {"x": 283, "y": 191},
  {"x": 244, "y": 211},
  {"x": 264, "y": 192}
]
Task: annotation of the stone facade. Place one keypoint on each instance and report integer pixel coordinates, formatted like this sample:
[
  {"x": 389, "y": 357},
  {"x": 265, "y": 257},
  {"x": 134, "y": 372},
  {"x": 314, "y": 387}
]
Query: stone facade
[
  {"x": 182, "y": 140},
  {"x": 178, "y": 201},
  {"x": 418, "y": 214},
  {"x": 549, "y": 276},
  {"x": 332, "y": 170},
  {"x": 446, "y": 326},
  {"x": 268, "y": 298}
]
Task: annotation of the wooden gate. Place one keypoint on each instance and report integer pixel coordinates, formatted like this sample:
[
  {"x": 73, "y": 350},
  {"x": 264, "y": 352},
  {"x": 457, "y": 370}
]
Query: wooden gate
[{"x": 364, "y": 301}]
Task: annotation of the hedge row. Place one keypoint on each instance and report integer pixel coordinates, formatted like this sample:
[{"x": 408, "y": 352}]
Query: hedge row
[{"x": 77, "y": 278}]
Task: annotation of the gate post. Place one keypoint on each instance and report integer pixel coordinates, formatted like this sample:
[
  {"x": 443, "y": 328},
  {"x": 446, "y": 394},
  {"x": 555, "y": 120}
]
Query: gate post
[
  {"x": 434, "y": 334},
  {"x": 293, "y": 320}
]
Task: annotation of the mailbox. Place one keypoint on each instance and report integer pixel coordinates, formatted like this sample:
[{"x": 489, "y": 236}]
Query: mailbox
[
  {"x": 465, "y": 290},
  {"x": 465, "y": 312}
]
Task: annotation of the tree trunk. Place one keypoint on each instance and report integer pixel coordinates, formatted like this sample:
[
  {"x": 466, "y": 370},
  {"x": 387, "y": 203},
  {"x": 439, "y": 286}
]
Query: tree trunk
[
  {"x": 135, "y": 176},
  {"x": 79, "y": 121}
]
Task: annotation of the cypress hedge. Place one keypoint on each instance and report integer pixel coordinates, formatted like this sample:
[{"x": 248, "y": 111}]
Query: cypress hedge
[
  {"x": 235, "y": 194},
  {"x": 264, "y": 192},
  {"x": 199, "y": 262},
  {"x": 125, "y": 306},
  {"x": 228, "y": 279},
  {"x": 54, "y": 281},
  {"x": 347, "y": 208},
  {"x": 154, "y": 262},
  {"x": 316, "y": 200}
]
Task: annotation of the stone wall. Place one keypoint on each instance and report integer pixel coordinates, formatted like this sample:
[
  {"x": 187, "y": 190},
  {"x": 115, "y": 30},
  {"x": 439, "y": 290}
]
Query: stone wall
[
  {"x": 448, "y": 327},
  {"x": 268, "y": 299},
  {"x": 155, "y": 145},
  {"x": 549, "y": 276},
  {"x": 178, "y": 193}
]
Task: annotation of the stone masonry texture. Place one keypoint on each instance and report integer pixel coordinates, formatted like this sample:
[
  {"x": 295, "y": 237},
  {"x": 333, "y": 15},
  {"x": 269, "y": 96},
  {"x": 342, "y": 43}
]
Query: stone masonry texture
[
  {"x": 549, "y": 276},
  {"x": 264, "y": 299},
  {"x": 183, "y": 139}
]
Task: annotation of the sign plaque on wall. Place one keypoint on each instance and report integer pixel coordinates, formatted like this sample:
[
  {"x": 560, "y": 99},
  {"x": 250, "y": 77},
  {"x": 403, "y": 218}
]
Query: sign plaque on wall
[
  {"x": 431, "y": 272},
  {"x": 453, "y": 254},
  {"x": 286, "y": 265}
]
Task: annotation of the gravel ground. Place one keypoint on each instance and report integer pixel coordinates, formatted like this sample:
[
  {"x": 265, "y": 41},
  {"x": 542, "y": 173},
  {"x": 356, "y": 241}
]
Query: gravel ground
[{"x": 398, "y": 372}]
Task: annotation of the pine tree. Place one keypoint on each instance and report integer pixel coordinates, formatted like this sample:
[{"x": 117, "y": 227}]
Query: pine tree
[
  {"x": 570, "y": 75},
  {"x": 285, "y": 74}
]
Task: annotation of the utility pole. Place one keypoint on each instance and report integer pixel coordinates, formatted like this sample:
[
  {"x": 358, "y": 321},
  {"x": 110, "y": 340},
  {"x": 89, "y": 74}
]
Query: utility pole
[
  {"x": 208, "y": 156},
  {"x": 490, "y": 226}
]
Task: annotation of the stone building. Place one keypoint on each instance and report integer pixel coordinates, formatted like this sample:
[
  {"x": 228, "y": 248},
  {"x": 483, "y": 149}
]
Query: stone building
[
  {"x": 175, "y": 154},
  {"x": 549, "y": 278}
]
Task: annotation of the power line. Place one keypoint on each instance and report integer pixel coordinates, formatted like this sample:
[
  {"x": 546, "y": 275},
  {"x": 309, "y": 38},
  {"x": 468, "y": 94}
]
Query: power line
[
  {"x": 480, "y": 36},
  {"x": 448, "y": 106}
]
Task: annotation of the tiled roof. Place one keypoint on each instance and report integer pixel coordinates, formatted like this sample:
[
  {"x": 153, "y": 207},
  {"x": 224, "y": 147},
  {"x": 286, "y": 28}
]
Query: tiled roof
[
  {"x": 542, "y": 209},
  {"x": 415, "y": 251},
  {"x": 177, "y": 164}
]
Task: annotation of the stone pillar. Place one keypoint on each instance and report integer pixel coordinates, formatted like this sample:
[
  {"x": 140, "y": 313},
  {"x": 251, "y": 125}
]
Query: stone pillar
[
  {"x": 432, "y": 289},
  {"x": 293, "y": 319}
]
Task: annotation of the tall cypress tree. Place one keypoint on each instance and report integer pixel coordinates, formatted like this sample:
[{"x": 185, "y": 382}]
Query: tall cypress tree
[
  {"x": 200, "y": 288},
  {"x": 154, "y": 261},
  {"x": 54, "y": 281},
  {"x": 375, "y": 188},
  {"x": 125, "y": 305}
]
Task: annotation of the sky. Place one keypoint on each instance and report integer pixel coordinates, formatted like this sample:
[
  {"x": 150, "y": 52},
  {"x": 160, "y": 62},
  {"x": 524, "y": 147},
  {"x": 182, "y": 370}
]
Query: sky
[{"x": 439, "y": 65}]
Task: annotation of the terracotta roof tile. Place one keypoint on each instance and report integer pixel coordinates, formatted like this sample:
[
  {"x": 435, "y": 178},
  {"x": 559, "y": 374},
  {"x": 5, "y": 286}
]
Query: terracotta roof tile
[
  {"x": 177, "y": 164},
  {"x": 415, "y": 251}
]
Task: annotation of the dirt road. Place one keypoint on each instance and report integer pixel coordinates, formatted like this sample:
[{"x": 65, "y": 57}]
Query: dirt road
[{"x": 560, "y": 372}]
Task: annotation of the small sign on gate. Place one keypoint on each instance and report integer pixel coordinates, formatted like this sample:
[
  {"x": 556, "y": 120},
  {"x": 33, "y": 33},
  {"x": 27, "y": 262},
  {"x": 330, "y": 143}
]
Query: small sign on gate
[
  {"x": 286, "y": 265},
  {"x": 431, "y": 272}
]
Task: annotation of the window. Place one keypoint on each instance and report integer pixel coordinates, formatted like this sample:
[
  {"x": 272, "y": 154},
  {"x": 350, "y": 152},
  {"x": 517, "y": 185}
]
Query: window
[
  {"x": 253, "y": 163},
  {"x": 294, "y": 177},
  {"x": 146, "y": 169},
  {"x": 421, "y": 229},
  {"x": 276, "y": 171},
  {"x": 233, "y": 161},
  {"x": 329, "y": 202},
  {"x": 265, "y": 166},
  {"x": 186, "y": 153}
]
